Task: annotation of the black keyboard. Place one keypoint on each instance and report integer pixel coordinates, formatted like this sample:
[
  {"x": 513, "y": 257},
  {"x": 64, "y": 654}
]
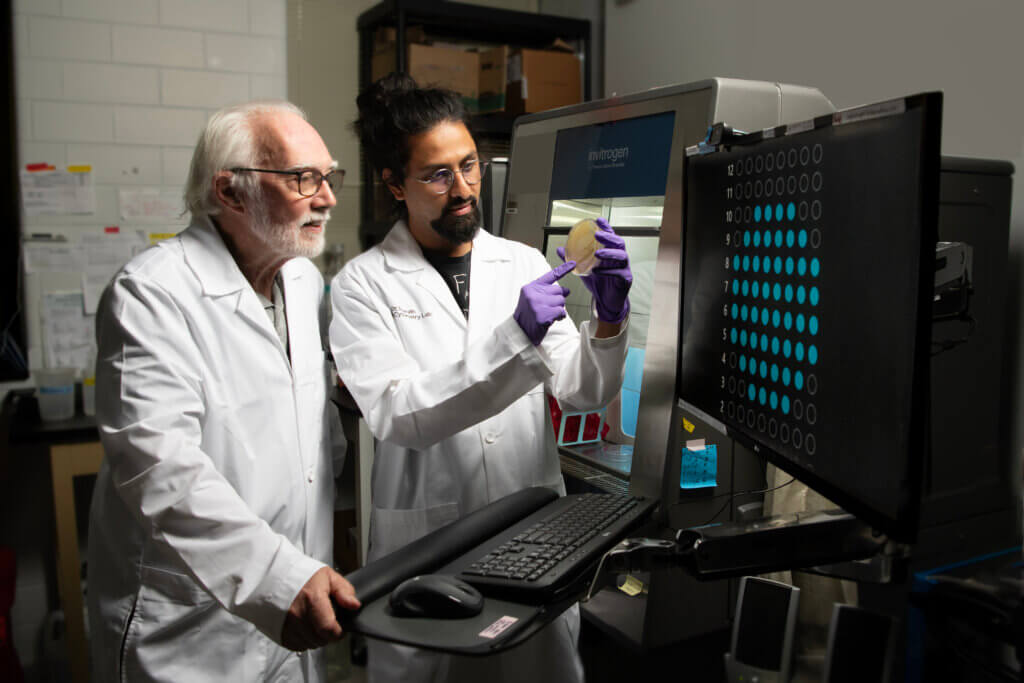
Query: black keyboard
[{"x": 549, "y": 551}]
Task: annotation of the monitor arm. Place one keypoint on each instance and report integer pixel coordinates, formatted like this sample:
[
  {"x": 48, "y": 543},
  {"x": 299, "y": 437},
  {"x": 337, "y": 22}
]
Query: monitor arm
[{"x": 822, "y": 542}]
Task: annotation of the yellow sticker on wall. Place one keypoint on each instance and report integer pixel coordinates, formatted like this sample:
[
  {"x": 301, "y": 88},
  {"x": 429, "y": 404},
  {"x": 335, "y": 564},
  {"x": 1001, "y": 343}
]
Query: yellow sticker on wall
[{"x": 688, "y": 426}]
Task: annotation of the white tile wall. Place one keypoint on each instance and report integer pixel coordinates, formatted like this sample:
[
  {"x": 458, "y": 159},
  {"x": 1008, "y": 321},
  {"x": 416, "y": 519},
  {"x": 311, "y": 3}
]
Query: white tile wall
[
  {"x": 221, "y": 15},
  {"x": 158, "y": 125},
  {"x": 67, "y": 39},
  {"x": 37, "y": 7},
  {"x": 267, "y": 17},
  {"x": 39, "y": 152},
  {"x": 119, "y": 164},
  {"x": 163, "y": 47},
  {"x": 268, "y": 87},
  {"x": 124, "y": 11},
  {"x": 39, "y": 79},
  {"x": 111, "y": 83},
  {"x": 24, "y": 108},
  {"x": 203, "y": 88},
  {"x": 244, "y": 53},
  {"x": 175, "y": 166},
  {"x": 72, "y": 122}
]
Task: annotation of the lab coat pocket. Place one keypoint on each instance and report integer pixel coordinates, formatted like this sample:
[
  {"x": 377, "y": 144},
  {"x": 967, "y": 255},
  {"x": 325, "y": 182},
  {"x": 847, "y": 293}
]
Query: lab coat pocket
[
  {"x": 179, "y": 632},
  {"x": 392, "y": 529}
]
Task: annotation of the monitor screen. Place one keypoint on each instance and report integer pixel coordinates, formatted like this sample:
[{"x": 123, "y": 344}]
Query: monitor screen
[
  {"x": 807, "y": 283},
  {"x": 762, "y": 623}
]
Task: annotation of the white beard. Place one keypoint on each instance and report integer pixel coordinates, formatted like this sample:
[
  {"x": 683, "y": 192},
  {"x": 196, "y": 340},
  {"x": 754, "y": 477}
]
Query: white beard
[{"x": 288, "y": 239}]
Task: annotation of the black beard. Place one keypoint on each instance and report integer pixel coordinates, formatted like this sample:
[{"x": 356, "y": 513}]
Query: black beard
[{"x": 458, "y": 229}]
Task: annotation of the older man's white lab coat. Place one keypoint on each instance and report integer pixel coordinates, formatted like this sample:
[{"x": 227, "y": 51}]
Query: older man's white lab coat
[
  {"x": 459, "y": 413},
  {"x": 215, "y": 500}
]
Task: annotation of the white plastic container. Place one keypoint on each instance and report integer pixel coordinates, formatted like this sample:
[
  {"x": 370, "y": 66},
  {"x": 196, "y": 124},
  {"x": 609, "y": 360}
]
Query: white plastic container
[
  {"x": 55, "y": 390},
  {"x": 89, "y": 395}
]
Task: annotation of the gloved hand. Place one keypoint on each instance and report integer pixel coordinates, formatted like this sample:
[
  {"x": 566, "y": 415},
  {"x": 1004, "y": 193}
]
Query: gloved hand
[
  {"x": 542, "y": 302},
  {"x": 609, "y": 281}
]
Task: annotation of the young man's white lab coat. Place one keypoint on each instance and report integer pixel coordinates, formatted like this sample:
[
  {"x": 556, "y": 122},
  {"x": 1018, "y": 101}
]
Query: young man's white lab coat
[
  {"x": 459, "y": 412},
  {"x": 215, "y": 500}
]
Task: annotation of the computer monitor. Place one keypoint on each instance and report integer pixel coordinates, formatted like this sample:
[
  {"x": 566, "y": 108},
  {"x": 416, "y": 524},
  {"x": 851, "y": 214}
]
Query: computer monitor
[
  {"x": 763, "y": 628},
  {"x": 809, "y": 253}
]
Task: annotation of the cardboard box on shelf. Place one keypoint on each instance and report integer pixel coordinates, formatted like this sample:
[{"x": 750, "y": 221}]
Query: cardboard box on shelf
[
  {"x": 445, "y": 67},
  {"x": 493, "y": 78},
  {"x": 539, "y": 80}
]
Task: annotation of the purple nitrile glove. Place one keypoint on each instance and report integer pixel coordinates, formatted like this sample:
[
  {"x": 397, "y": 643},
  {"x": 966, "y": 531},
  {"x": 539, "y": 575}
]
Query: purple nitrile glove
[
  {"x": 542, "y": 302},
  {"x": 609, "y": 281}
]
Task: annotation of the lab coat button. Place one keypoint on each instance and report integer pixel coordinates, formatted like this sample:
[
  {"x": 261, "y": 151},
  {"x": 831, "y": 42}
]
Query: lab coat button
[
  {"x": 309, "y": 476},
  {"x": 490, "y": 438}
]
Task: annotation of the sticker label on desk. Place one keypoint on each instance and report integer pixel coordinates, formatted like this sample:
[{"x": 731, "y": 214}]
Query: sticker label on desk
[{"x": 498, "y": 627}]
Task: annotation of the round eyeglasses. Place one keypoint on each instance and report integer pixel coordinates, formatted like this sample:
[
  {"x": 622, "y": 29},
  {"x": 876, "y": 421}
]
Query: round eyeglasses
[
  {"x": 442, "y": 179},
  {"x": 309, "y": 181}
]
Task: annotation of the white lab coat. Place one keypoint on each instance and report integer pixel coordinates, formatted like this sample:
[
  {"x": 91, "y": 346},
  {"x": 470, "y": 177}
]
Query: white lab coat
[
  {"x": 458, "y": 410},
  {"x": 214, "y": 504}
]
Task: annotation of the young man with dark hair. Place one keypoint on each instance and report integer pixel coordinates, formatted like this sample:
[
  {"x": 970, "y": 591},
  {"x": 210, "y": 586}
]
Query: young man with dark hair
[{"x": 447, "y": 338}]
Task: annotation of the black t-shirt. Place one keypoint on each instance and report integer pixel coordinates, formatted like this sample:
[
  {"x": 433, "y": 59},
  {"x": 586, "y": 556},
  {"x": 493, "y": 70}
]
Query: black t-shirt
[{"x": 454, "y": 271}]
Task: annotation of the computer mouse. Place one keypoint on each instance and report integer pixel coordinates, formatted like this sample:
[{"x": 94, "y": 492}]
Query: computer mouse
[{"x": 435, "y": 596}]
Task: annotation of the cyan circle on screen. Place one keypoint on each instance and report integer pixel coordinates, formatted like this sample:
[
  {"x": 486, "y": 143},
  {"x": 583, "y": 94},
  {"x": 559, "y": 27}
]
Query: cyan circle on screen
[
  {"x": 753, "y": 314},
  {"x": 801, "y": 294},
  {"x": 755, "y": 264},
  {"x": 789, "y": 294},
  {"x": 798, "y": 380},
  {"x": 815, "y": 296},
  {"x": 791, "y": 211},
  {"x": 778, "y": 212},
  {"x": 767, "y": 212},
  {"x": 757, "y": 214},
  {"x": 815, "y": 267},
  {"x": 755, "y": 288},
  {"x": 798, "y": 352},
  {"x": 736, "y": 262},
  {"x": 785, "y": 377},
  {"x": 753, "y": 368},
  {"x": 787, "y": 348},
  {"x": 746, "y": 263},
  {"x": 767, "y": 238},
  {"x": 776, "y": 317},
  {"x": 743, "y": 313},
  {"x": 743, "y": 363},
  {"x": 812, "y": 355},
  {"x": 734, "y": 335},
  {"x": 751, "y": 391},
  {"x": 801, "y": 238},
  {"x": 777, "y": 291},
  {"x": 777, "y": 265},
  {"x": 775, "y": 372},
  {"x": 801, "y": 266},
  {"x": 766, "y": 264},
  {"x": 762, "y": 396},
  {"x": 764, "y": 343},
  {"x": 800, "y": 322},
  {"x": 789, "y": 265},
  {"x": 812, "y": 325},
  {"x": 764, "y": 316},
  {"x": 735, "y": 287},
  {"x": 773, "y": 400},
  {"x": 743, "y": 337},
  {"x": 757, "y": 238},
  {"x": 735, "y": 311},
  {"x": 746, "y": 288},
  {"x": 764, "y": 370},
  {"x": 775, "y": 345},
  {"x": 787, "y": 320},
  {"x": 746, "y": 238},
  {"x": 778, "y": 239},
  {"x": 790, "y": 238},
  {"x": 784, "y": 403},
  {"x": 753, "y": 340}
]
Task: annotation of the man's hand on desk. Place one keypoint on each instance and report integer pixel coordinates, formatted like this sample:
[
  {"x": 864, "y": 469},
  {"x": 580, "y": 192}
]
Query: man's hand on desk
[{"x": 310, "y": 622}]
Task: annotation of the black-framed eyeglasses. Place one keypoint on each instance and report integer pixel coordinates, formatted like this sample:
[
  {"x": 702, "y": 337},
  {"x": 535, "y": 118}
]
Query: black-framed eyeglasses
[
  {"x": 442, "y": 179},
  {"x": 309, "y": 180}
]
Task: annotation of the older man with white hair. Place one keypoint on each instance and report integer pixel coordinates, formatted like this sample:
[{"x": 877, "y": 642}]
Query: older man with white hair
[{"x": 211, "y": 531}]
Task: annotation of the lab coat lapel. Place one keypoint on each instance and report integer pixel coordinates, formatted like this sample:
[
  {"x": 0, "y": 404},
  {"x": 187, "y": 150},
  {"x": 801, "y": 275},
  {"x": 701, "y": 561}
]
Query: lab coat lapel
[
  {"x": 485, "y": 308},
  {"x": 402, "y": 252},
  {"x": 219, "y": 275}
]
